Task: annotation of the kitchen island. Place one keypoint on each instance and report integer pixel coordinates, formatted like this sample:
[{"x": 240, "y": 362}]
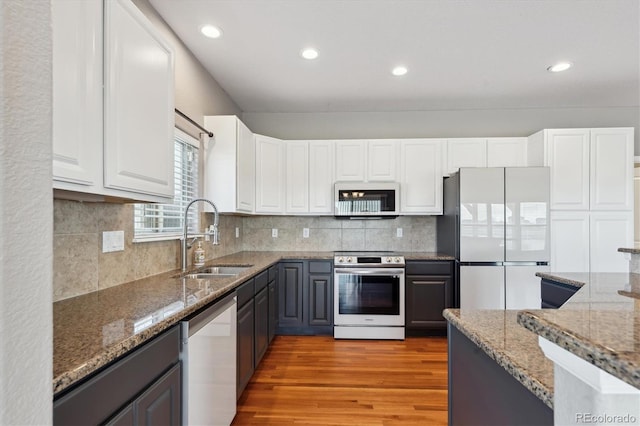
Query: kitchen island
[{"x": 599, "y": 324}]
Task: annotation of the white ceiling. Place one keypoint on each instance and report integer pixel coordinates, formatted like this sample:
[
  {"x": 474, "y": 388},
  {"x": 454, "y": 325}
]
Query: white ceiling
[{"x": 461, "y": 54}]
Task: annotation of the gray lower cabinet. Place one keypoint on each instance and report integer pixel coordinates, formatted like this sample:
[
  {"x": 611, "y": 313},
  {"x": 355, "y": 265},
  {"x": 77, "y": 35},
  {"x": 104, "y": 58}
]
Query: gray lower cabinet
[
  {"x": 245, "y": 343},
  {"x": 481, "y": 392},
  {"x": 290, "y": 295},
  {"x": 429, "y": 291},
  {"x": 306, "y": 297},
  {"x": 273, "y": 301},
  {"x": 257, "y": 318},
  {"x": 142, "y": 388},
  {"x": 555, "y": 294}
]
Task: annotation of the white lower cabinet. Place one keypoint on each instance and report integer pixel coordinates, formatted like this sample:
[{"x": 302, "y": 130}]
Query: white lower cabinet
[
  {"x": 270, "y": 175},
  {"x": 583, "y": 241},
  {"x": 569, "y": 241},
  {"x": 118, "y": 141},
  {"x": 608, "y": 231},
  {"x": 420, "y": 176}
]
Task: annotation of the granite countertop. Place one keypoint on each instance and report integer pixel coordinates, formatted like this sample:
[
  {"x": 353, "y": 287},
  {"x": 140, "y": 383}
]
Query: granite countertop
[
  {"x": 94, "y": 329},
  {"x": 514, "y": 348},
  {"x": 600, "y": 323}
]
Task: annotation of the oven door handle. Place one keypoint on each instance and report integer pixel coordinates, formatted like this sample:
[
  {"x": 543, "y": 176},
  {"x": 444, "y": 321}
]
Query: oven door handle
[{"x": 370, "y": 271}]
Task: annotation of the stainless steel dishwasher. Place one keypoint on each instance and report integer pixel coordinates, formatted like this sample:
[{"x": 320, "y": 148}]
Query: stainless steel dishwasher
[{"x": 209, "y": 365}]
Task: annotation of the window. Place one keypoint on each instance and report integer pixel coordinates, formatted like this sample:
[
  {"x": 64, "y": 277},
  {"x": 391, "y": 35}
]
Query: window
[{"x": 164, "y": 221}]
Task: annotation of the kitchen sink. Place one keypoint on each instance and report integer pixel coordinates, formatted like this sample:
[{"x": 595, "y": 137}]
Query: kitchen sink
[
  {"x": 217, "y": 272},
  {"x": 224, "y": 270}
]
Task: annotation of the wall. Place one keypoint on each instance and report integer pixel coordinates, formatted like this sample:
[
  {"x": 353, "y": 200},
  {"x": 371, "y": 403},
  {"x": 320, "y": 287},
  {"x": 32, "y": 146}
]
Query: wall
[
  {"x": 438, "y": 124},
  {"x": 79, "y": 265},
  {"x": 26, "y": 329},
  {"x": 329, "y": 234}
]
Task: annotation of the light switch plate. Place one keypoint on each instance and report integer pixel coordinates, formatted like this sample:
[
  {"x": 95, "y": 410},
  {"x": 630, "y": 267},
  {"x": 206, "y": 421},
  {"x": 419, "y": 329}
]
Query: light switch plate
[
  {"x": 112, "y": 241},
  {"x": 237, "y": 232},
  {"x": 399, "y": 232},
  {"x": 305, "y": 232},
  {"x": 274, "y": 232}
]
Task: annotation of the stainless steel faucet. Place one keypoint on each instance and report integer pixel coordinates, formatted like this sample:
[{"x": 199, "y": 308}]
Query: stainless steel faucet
[{"x": 215, "y": 235}]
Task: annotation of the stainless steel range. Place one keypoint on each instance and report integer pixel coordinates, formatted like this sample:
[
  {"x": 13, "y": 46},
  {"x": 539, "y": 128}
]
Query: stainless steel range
[{"x": 368, "y": 295}]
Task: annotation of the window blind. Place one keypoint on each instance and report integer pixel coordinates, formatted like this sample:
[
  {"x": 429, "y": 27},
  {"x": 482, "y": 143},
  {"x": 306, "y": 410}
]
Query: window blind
[{"x": 164, "y": 221}]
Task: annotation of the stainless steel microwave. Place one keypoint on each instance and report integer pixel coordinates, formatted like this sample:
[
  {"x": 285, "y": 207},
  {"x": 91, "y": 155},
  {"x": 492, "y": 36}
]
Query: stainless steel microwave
[{"x": 366, "y": 199}]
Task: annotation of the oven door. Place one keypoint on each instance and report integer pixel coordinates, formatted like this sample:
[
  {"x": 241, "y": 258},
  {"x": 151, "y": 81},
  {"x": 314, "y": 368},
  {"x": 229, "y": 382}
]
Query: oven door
[{"x": 369, "y": 296}]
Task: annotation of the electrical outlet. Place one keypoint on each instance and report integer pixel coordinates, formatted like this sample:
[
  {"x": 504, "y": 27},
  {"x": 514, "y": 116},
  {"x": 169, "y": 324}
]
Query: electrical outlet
[
  {"x": 305, "y": 232},
  {"x": 274, "y": 232},
  {"x": 237, "y": 232},
  {"x": 399, "y": 232},
  {"x": 112, "y": 241}
]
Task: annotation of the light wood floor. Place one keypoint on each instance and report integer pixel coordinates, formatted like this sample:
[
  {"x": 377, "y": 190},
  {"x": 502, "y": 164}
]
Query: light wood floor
[{"x": 321, "y": 381}]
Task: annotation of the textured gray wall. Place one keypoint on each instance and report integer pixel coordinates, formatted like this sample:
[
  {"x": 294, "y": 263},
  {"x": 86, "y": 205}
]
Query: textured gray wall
[{"x": 26, "y": 212}]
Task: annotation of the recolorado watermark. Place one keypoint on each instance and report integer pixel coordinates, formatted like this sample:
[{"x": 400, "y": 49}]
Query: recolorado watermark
[{"x": 604, "y": 418}]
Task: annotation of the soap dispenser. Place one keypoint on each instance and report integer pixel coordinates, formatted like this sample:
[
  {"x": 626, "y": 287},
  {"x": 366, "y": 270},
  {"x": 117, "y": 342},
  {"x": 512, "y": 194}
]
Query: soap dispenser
[{"x": 198, "y": 256}]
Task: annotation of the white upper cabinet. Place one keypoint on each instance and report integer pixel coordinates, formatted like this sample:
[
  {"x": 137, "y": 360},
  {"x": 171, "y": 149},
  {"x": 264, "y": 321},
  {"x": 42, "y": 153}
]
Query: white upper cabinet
[
  {"x": 321, "y": 165},
  {"x": 591, "y": 169},
  {"x": 117, "y": 140},
  {"x": 611, "y": 179},
  {"x": 229, "y": 173},
  {"x": 297, "y": 178},
  {"x": 506, "y": 152},
  {"x": 139, "y": 106},
  {"x": 77, "y": 93},
  {"x": 568, "y": 157},
  {"x": 381, "y": 164},
  {"x": 420, "y": 176},
  {"x": 351, "y": 160},
  {"x": 270, "y": 175},
  {"x": 465, "y": 152}
]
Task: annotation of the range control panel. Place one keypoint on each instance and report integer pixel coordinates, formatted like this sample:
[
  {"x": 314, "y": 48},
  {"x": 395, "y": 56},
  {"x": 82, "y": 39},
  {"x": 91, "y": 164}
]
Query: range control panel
[{"x": 368, "y": 259}]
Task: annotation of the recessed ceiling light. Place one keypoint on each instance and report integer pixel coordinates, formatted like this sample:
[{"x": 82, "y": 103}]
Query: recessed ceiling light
[
  {"x": 211, "y": 31},
  {"x": 399, "y": 70},
  {"x": 309, "y": 53},
  {"x": 559, "y": 67}
]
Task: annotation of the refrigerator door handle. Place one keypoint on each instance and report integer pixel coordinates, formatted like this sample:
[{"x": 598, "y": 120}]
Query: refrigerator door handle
[
  {"x": 525, "y": 263},
  {"x": 482, "y": 263}
]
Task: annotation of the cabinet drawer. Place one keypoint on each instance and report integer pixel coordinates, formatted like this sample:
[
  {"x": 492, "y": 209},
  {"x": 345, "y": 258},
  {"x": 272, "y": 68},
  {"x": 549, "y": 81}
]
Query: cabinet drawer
[
  {"x": 245, "y": 292},
  {"x": 97, "y": 399},
  {"x": 428, "y": 267},
  {"x": 262, "y": 279},
  {"x": 320, "y": 267}
]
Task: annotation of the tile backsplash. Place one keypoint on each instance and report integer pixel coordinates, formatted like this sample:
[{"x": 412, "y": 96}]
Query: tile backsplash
[
  {"x": 80, "y": 267},
  {"x": 327, "y": 233}
]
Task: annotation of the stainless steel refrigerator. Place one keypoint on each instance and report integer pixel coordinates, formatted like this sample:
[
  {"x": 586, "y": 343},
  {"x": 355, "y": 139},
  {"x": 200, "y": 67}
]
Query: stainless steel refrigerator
[{"x": 496, "y": 224}]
